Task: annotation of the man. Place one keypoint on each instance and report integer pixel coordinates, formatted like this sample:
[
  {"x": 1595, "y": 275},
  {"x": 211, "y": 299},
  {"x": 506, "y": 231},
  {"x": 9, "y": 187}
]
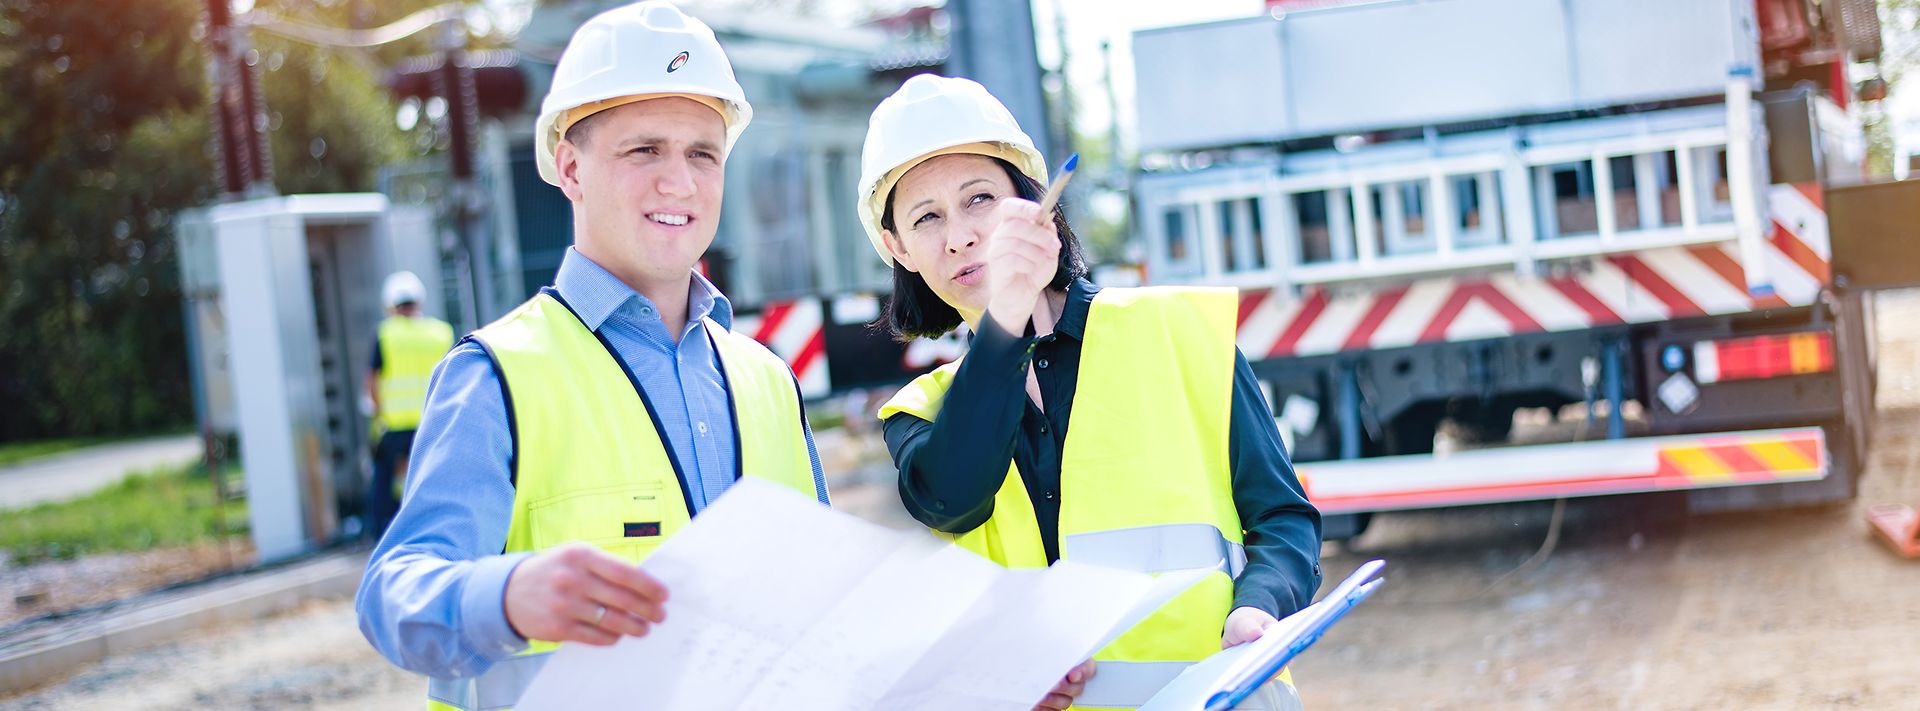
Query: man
[
  {"x": 583, "y": 428},
  {"x": 404, "y": 351}
]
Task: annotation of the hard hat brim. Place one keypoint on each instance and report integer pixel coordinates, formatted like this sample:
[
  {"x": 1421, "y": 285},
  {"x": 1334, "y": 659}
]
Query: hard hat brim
[{"x": 734, "y": 114}]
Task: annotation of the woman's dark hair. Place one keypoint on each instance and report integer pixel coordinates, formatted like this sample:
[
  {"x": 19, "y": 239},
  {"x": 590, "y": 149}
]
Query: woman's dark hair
[{"x": 914, "y": 311}]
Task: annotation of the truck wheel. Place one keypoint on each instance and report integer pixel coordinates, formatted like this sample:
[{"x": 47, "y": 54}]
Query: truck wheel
[{"x": 1343, "y": 528}]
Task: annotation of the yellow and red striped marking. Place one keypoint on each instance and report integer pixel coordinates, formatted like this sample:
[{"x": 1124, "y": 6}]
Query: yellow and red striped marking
[
  {"x": 1571, "y": 469},
  {"x": 1731, "y": 462}
]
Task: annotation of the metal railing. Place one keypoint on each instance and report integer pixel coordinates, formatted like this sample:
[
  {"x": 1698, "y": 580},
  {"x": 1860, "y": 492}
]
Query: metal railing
[{"x": 1516, "y": 206}]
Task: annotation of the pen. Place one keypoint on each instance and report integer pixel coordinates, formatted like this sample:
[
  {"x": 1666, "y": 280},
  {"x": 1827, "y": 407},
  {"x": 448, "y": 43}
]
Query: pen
[{"x": 1059, "y": 184}]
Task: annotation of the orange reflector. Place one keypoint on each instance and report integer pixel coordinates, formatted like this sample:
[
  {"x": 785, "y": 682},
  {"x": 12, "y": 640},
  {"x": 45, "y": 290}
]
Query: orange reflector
[{"x": 1758, "y": 357}]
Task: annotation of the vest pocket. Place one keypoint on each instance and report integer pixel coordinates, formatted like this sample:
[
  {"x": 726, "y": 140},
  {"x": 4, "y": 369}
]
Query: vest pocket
[{"x": 623, "y": 519}]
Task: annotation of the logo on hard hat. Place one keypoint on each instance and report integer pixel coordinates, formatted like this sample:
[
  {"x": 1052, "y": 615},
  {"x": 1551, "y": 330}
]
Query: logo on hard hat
[{"x": 677, "y": 63}]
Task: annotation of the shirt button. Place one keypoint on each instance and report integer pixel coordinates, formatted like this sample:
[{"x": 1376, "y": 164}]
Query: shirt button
[
  {"x": 1048, "y": 495},
  {"x": 702, "y": 427},
  {"x": 1041, "y": 364}
]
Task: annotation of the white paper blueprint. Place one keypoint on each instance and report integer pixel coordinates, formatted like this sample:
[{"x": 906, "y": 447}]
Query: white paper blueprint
[{"x": 778, "y": 602}]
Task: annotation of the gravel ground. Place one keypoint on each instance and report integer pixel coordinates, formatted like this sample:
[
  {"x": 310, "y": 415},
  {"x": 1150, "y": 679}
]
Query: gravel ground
[
  {"x": 1637, "y": 606},
  {"x": 49, "y": 587}
]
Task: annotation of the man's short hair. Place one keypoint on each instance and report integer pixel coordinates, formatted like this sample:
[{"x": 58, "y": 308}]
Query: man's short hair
[{"x": 582, "y": 131}]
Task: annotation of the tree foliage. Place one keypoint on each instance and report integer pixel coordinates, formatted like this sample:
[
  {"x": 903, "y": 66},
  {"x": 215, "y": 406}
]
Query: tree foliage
[{"x": 104, "y": 136}]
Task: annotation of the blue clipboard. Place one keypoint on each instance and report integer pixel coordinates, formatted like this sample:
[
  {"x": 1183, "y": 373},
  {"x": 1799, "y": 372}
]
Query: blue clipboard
[{"x": 1230, "y": 677}]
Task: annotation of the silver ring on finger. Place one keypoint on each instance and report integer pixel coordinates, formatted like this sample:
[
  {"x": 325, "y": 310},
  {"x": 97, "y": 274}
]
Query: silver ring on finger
[{"x": 599, "y": 614}]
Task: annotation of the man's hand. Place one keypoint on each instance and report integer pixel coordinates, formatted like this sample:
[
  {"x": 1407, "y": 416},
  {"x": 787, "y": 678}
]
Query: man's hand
[
  {"x": 579, "y": 593},
  {"x": 1245, "y": 624},
  {"x": 1068, "y": 689},
  {"x": 1023, "y": 253}
]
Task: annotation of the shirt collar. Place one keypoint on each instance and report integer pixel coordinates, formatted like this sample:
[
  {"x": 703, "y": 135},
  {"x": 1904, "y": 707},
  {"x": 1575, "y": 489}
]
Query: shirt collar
[
  {"x": 596, "y": 294},
  {"x": 1073, "y": 316},
  {"x": 704, "y": 300}
]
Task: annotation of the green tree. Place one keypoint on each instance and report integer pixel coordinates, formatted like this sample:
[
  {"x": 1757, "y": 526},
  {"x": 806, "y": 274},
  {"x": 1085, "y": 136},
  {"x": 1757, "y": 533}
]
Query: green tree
[
  {"x": 330, "y": 117},
  {"x": 104, "y": 136},
  {"x": 1900, "y": 54},
  {"x": 330, "y": 122}
]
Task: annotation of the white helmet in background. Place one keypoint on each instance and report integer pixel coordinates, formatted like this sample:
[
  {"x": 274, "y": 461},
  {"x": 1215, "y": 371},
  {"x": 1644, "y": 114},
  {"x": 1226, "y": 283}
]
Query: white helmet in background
[
  {"x": 647, "y": 50},
  {"x": 403, "y": 288},
  {"x": 932, "y": 116}
]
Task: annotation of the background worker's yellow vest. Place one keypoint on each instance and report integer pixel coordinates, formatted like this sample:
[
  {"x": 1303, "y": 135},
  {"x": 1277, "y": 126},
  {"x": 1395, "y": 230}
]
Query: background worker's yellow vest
[
  {"x": 1145, "y": 481},
  {"x": 590, "y": 464},
  {"x": 409, "y": 348}
]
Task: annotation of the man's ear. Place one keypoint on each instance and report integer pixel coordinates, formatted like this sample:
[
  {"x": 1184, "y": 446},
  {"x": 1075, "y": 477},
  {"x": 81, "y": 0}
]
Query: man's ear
[
  {"x": 566, "y": 162},
  {"x": 898, "y": 250}
]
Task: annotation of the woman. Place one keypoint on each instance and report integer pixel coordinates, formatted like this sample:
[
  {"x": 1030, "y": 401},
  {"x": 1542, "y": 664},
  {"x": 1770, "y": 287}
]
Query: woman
[{"x": 1112, "y": 426}]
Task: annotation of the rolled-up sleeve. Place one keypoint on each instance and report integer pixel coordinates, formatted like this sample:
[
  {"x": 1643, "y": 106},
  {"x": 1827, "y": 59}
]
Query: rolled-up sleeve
[
  {"x": 432, "y": 599},
  {"x": 951, "y": 468}
]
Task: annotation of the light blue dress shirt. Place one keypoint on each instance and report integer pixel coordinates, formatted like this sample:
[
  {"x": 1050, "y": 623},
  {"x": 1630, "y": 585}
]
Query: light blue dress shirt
[{"x": 432, "y": 598}]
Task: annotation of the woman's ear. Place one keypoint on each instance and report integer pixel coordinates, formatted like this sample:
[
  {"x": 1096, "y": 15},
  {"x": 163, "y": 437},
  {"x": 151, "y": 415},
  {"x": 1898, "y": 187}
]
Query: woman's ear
[{"x": 898, "y": 250}]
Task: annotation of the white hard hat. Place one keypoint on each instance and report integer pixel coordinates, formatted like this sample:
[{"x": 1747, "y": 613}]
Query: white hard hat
[
  {"x": 931, "y": 116},
  {"x": 633, "y": 52},
  {"x": 402, "y": 288}
]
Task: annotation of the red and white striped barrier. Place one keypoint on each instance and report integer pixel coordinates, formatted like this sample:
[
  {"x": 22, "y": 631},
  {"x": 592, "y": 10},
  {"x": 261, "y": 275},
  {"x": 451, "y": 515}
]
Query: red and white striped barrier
[
  {"x": 795, "y": 331},
  {"x": 1632, "y": 287}
]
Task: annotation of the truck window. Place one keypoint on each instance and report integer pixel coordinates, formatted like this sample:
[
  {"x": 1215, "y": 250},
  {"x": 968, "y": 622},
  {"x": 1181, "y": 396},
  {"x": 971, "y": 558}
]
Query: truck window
[
  {"x": 1229, "y": 257},
  {"x": 1476, "y": 209},
  {"x": 1564, "y": 193},
  {"x": 1179, "y": 255},
  {"x": 1626, "y": 196},
  {"x": 1242, "y": 244},
  {"x": 1400, "y": 209},
  {"x": 1316, "y": 236},
  {"x": 1667, "y": 173}
]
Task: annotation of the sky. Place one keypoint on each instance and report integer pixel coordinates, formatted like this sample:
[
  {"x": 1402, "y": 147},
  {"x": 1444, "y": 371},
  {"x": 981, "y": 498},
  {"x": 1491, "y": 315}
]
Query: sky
[{"x": 1088, "y": 23}]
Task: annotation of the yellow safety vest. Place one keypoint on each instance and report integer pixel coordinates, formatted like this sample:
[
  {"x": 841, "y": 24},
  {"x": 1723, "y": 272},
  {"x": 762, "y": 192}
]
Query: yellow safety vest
[
  {"x": 409, "y": 348},
  {"x": 590, "y": 463},
  {"x": 1145, "y": 481}
]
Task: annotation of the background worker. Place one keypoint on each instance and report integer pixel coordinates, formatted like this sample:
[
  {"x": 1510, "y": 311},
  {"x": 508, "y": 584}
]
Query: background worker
[
  {"x": 1084, "y": 423},
  {"x": 564, "y": 442},
  {"x": 405, "y": 350}
]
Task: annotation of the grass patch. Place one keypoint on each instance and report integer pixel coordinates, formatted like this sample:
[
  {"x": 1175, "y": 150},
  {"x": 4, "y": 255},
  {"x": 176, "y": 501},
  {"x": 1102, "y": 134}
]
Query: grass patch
[{"x": 160, "y": 509}]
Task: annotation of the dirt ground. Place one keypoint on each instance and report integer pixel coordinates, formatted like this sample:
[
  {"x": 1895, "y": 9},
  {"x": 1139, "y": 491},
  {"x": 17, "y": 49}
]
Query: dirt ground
[{"x": 1638, "y": 605}]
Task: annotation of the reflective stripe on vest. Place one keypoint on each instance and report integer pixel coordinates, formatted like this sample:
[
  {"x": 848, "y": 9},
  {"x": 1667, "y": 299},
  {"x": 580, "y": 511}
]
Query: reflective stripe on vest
[
  {"x": 499, "y": 688},
  {"x": 1125, "y": 685},
  {"x": 1145, "y": 479},
  {"x": 409, "y": 348},
  {"x": 1158, "y": 549},
  {"x": 589, "y": 462}
]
